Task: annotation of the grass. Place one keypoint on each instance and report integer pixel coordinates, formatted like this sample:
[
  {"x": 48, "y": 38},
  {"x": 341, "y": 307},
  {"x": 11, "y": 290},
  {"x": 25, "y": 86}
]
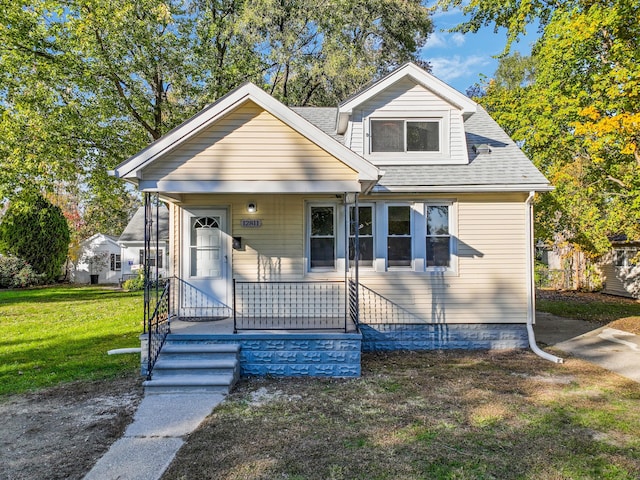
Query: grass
[
  {"x": 587, "y": 306},
  {"x": 619, "y": 312},
  {"x": 60, "y": 334},
  {"x": 440, "y": 415}
]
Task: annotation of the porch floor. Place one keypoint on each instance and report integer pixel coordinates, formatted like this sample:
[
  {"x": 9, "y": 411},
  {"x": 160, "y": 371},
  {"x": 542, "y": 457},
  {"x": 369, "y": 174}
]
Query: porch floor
[{"x": 225, "y": 326}]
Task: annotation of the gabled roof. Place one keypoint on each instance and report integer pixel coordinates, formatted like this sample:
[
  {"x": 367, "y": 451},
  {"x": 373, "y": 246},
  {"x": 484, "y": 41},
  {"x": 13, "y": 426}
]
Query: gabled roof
[
  {"x": 105, "y": 237},
  {"x": 417, "y": 74},
  {"x": 134, "y": 231},
  {"x": 131, "y": 169}
]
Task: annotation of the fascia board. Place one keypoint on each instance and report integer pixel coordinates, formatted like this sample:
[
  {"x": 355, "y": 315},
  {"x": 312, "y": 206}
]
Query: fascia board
[
  {"x": 248, "y": 92},
  {"x": 462, "y": 188},
  {"x": 129, "y": 168}
]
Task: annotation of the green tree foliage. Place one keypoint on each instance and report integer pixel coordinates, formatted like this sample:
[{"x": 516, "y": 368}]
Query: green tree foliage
[
  {"x": 36, "y": 231},
  {"x": 578, "y": 119},
  {"x": 86, "y": 83}
]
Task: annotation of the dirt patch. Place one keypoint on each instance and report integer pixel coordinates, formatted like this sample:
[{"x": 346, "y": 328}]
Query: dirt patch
[{"x": 61, "y": 432}]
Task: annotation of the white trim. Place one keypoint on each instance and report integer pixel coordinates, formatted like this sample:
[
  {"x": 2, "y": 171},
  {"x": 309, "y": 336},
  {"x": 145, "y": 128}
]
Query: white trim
[
  {"x": 250, "y": 186},
  {"x": 247, "y": 92},
  {"x": 462, "y": 188},
  {"x": 338, "y": 228},
  {"x": 467, "y": 106}
]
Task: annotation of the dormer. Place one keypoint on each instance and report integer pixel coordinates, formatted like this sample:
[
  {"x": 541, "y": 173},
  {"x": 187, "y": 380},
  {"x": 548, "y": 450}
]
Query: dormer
[{"x": 409, "y": 117}]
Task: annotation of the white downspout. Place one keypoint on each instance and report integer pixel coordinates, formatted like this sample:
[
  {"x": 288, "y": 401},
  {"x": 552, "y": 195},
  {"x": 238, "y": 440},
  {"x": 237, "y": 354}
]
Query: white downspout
[{"x": 531, "y": 291}]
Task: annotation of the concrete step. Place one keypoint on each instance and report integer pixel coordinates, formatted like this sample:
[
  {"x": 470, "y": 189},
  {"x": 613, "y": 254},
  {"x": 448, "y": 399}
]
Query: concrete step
[
  {"x": 190, "y": 384},
  {"x": 199, "y": 351},
  {"x": 169, "y": 366}
]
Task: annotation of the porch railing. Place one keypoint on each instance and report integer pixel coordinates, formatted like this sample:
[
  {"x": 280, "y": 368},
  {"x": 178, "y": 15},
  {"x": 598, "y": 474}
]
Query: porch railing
[
  {"x": 158, "y": 327},
  {"x": 375, "y": 309},
  {"x": 314, "y": 305},
  {"x": 192, "y": 304}
]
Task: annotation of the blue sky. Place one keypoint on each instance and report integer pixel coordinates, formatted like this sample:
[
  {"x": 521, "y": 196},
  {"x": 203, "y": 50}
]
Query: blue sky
[{"x": 458, "y": 59}]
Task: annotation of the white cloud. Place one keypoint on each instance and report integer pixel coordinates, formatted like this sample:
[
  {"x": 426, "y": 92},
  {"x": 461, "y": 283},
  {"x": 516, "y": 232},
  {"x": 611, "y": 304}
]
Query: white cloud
[
  {"x": 444, "y": 40},
  {"x": 451, "y": 68},
  {"x": 435, "y": 40},
  {"x": 458, "y": 39}
]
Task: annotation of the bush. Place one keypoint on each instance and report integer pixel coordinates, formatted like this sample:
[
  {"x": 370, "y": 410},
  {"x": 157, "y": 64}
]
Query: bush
[
  {"x": 35, "y": 230},
  {"x": 16, "y": 273},
  {"x": 135, "y": 284}
]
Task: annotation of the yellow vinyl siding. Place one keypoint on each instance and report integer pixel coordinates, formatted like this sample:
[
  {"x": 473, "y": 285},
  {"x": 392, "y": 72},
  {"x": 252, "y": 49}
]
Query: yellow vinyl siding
[
  {"x": 249, "y": 144},
  {"x": 489, "y": 285}
]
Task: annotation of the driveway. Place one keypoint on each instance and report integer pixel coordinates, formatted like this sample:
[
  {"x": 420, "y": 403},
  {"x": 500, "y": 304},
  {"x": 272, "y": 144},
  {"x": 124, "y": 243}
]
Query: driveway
[{"x": 609, "y": 348}]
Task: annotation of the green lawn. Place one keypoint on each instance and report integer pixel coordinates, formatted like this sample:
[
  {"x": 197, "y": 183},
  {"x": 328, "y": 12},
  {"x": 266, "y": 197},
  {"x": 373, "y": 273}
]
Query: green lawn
[{"x": 60, "y": 334}]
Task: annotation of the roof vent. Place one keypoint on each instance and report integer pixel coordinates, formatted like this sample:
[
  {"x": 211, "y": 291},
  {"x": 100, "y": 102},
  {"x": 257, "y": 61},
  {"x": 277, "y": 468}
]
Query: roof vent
[{"x": 482, "y": 148}]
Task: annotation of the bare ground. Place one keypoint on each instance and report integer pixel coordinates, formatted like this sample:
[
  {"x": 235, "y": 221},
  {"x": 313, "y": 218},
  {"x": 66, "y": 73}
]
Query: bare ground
[{"x": 61, "y": 432}]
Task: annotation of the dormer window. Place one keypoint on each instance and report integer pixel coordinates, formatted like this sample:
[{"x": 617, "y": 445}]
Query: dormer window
[{"x": 401, "y": 135}]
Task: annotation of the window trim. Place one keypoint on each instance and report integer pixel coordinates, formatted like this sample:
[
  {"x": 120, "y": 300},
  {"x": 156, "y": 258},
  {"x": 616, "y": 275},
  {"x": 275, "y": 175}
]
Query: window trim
[
  {"x": 336, "y": 237},
  {"x": 405, "y": 140},
  {"x": 371, "y": 205},
  {"x": 410, "y": 157},
  {"x": 452, "y": 227},
  {"x": 151, "y": 257},
  {"x": 115, "y": 262}
]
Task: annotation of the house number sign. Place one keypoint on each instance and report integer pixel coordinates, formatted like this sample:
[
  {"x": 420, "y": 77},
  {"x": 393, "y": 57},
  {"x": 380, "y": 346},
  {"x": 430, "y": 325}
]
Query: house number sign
[{"x": 253, "y": 223}]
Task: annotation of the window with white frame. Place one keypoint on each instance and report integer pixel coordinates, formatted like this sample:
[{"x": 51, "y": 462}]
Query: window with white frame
[
  {"x": 152, "y": 258},
  {"x": 115, "y": 262},
  {"x": 399, "y": 236},
  {"x": 438, "y": 236},
  {"x": 322, "y": 237},
  {"x": 405, "y": 135},
  {"x": 365, "y": 229}
]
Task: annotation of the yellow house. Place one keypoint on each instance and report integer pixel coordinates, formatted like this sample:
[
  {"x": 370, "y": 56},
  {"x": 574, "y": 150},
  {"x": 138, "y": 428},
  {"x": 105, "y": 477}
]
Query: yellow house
[{"x": 400, "y": 219}]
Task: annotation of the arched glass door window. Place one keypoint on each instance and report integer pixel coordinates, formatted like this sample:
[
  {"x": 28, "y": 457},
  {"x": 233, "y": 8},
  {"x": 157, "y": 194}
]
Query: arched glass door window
[{"x": 205, "y": 247}]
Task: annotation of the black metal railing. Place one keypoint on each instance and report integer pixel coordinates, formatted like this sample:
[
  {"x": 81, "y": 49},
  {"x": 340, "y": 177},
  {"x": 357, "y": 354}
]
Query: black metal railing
[
  {"x": 354, "y": 303},
  {"x": 192, "y": 304},
  {"x": 313, "y": 305},
  {"x": 375, "y": 309},
  {"x": 158, "y": 327}
]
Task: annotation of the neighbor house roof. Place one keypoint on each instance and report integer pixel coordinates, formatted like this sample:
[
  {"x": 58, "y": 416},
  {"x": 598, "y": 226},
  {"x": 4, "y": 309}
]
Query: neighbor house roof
[
  {"x": 505, "y": 167},
  {"x": 134, "y": 231}
]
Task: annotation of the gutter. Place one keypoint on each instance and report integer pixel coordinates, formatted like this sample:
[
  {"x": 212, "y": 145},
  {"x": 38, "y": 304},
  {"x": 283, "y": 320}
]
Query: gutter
[{"x": 531, "y": 292}]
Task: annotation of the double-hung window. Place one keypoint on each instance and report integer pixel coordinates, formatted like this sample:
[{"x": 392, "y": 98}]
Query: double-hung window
[
  {"x": 322, "y": 237},
  {"x": 365, "y": 235},
  {"x": 152, "y": 258},
  {"x": 399, "y": 236},
  {"x": 401, "y": 135},
  {"x": 115, "y": 262},
  {"x": 438, "y": 236}
]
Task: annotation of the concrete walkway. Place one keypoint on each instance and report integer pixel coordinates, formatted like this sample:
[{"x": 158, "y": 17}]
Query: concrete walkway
[
  {"x": 155, "y": 436},
  {"x": 609, "y": 348}
]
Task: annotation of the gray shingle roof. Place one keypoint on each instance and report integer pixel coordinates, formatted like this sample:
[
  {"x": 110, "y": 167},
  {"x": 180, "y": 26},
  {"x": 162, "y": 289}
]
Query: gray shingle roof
[
  {"x": 322, "y": 117},
  {"x": 134, "y": 231},
  {"x": 505, "y": 167}
]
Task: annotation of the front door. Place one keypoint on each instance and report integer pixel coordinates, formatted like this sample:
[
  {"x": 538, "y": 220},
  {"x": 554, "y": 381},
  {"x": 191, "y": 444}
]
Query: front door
[{"x": 205, "y": 263}]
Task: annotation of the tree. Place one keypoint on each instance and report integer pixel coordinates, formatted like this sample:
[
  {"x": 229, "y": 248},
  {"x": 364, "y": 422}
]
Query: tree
[
  {"x": 86, "y": 83},
  {"x": 578, "y": 118},
  {"x": 36, "y": 231}
]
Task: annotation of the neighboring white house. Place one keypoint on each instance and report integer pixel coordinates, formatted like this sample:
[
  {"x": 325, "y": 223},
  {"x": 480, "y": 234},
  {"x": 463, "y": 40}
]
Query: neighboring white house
[
  {"x": 99, "y": 257},
  {"x": 132, "y": 244}
]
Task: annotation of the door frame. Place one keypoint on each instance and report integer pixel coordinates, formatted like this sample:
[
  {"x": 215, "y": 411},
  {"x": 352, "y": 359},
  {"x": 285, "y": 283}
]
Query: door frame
[{"x": 226, "y": 256}]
